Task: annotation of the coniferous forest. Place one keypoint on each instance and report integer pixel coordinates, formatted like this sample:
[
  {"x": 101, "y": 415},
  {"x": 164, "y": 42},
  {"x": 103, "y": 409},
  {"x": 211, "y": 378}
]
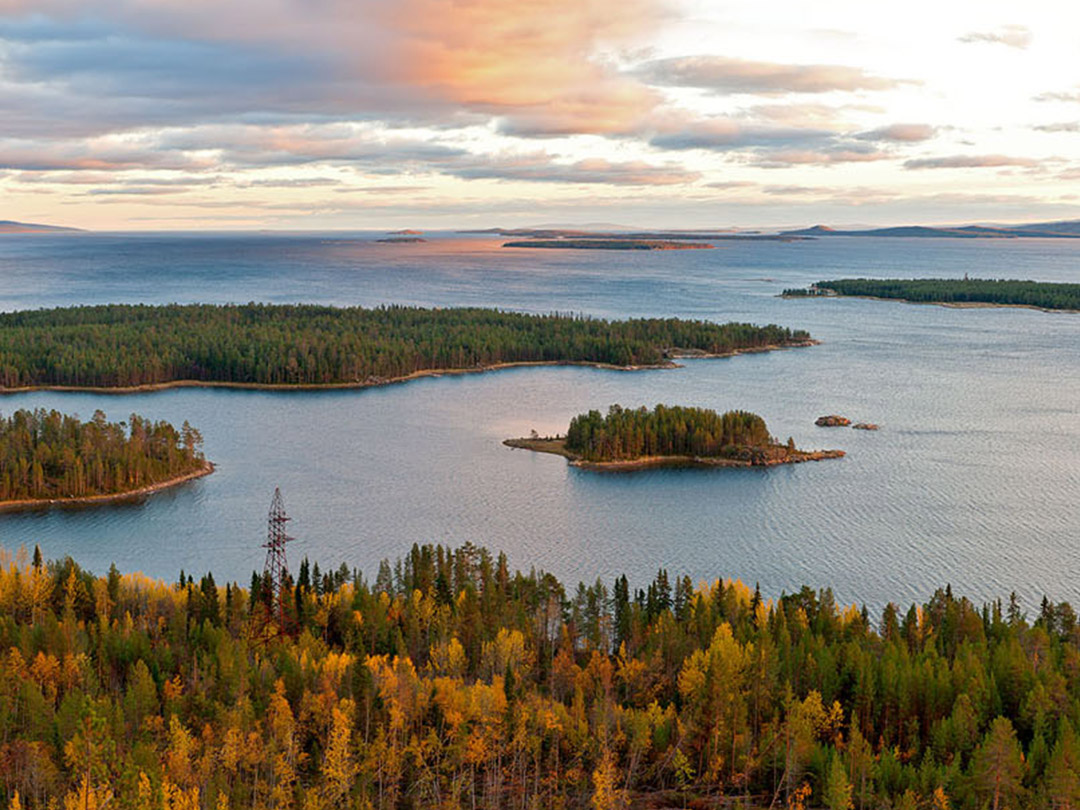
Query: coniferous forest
[
  {"x": 666, "y": 430},
  {"x": 48, "y": 455},
  {"x": 449, "y": 681},
  {"x": 130, "y": 345},
  {"x": 1003, "y": 292}
]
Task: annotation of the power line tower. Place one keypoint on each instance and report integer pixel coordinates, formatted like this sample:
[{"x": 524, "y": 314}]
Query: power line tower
[{"x": 276, "y": 568}]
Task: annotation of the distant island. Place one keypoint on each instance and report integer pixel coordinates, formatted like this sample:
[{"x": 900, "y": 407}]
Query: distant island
[
  {"x": 51, "y": 458},
  {"x": 608, "y": 244},
  {"x": 667, "y": 436},
  {"x": 952, "y": 292},
  {"x": 401, "y": 240},
  {"x": 676, "y": 236},
  {"x": 9, "y": 226},
  {"x": 141, "y": 347},
  {"x": 406, "y": 232},
  {"x": 1042, "y": 230}
]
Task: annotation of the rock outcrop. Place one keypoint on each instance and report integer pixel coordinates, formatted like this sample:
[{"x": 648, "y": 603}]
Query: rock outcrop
[{"x": 833, "y": 420}]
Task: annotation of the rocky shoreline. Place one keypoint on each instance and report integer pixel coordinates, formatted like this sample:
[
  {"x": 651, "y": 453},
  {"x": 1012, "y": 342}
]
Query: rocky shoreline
[
  {"x": 772, "y": 456},
  {"x": 673, "y": 354},
  {"x": 25, "y": 504}
]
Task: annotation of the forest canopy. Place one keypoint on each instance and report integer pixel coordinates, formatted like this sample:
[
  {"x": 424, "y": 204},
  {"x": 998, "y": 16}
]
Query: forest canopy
[
  {"x": 1003, "y": 292},
  {"x": 449, "y": 680},
  {"x": 48, "y": 455},
  {"x": 123, "y": 345},
  {"x": 629, "y": 433}
]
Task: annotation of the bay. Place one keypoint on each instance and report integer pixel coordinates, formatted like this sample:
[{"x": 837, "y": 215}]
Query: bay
[{"x": 973, "y": 479}]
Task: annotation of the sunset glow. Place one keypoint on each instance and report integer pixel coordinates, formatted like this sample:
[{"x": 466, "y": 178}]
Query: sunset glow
[{"x": 180, "y": 114}]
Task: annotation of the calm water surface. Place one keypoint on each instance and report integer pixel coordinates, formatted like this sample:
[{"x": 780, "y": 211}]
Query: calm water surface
[{"x": 974, "y": 478}]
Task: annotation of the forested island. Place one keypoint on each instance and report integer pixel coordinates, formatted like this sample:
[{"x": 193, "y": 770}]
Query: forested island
[
  {"x": 49, "y": 457},
  {"x": 953, "y": 291},
  {"x": 628, "y": 438},
  {"x": 609, "y": 244},
  {"x": 121, "y": 346},
  {"x": 449, "y": 680}
]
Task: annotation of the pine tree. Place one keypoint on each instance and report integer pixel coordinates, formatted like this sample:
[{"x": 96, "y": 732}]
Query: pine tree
[
  {"x": 837, "y": 786},
  {"x": 998, "y": 765}
]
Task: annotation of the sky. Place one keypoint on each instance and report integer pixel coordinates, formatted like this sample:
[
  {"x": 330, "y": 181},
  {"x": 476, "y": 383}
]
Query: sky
[{"x": 380, "y": 114}]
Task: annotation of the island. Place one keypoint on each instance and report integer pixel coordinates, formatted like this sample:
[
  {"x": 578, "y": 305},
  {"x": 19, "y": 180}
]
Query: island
[
  {"x": 669, "y": 436},
  {"x": 952, "y": 292},
  {"x": 832, "y": 420},
  {"x": 141, "y": 347},
  {"x": 9, "y": 226},
  {"x": 608, "y": 244},
  {"x": 679, "y": 236},
  {"x": 1034, "y": 230},
  {"x": 49, "y": 458},
  {"x": 401, "y": 240}
]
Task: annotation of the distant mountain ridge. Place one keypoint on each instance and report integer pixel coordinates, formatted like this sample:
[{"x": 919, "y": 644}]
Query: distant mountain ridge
[
  {"x": 1065, "y": 229},
  {"x": 10, "y": 226}
]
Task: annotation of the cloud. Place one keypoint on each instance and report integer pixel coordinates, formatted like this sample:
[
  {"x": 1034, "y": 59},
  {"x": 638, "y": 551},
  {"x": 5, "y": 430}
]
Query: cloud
[
  {"x": 542, "y": 68},
  {"x": 106, "y": 153},
  {"x": 728, "y": 134},
  {"x": 899, "y": 133},
  {"x": 730, "y": 184},
  {"x": 1015, "y": 36},
  {"x": 540, "y": 168},
  {"x": 829, "y": 156},
  {"x": 1067, "y": 97},
  {"x": 720, "y": 74},
  {"x": 969, "y": 162},
  {"x": 788, "y": 191},
  {"x": 534, "y": 64},
  {"x": 1064, "y": 126}
]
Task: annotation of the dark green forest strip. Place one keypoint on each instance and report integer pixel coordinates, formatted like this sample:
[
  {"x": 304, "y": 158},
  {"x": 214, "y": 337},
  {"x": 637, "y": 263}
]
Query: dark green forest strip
[
  {"x": 957, "y": 292},
  {"x": 136, "y": 346},
  {"x": 46, "y": 456}
]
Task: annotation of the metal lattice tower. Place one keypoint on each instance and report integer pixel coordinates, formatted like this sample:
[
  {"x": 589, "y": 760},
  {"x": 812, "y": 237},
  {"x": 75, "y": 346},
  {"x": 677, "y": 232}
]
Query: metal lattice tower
[{"x": 276, "y": 567}]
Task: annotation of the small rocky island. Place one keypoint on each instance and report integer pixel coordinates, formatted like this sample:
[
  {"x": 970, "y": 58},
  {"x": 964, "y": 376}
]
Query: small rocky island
[
  {"x": 669, "y": 436},
  {"x": 835, "y": 420},
  {"x": 832, "y": 420},
  {"x": 401, "y": 240},
  {"x": 609, "y": 244}
]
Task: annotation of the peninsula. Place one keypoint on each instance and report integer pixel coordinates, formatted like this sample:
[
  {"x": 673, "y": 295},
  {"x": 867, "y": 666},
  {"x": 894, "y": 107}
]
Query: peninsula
[
  {"x": 669, "y": 436},
  {"x": 49, "y": 458},
  {"x": 609, "y": 244},
  {"x": 9, "y": 226},
  {"x": 953, "y": 292},
  {"x": 123, "y": 347}
]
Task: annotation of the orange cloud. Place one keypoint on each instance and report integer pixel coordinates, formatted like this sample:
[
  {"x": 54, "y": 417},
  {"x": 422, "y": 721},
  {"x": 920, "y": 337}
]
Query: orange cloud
[{"x": 540, "y": 64}]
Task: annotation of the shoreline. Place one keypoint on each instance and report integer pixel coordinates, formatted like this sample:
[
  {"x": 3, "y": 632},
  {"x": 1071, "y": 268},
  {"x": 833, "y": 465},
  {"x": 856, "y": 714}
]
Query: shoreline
[
  {"x": 375, "y": 382},
  {"x": 557, "y": 446},
  {"x": 27, "y": 504},
  {"x": 948, "y": 304}
]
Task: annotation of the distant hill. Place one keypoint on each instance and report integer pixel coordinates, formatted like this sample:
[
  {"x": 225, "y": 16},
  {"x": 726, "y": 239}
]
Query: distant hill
[
  {"x": 9, "y": 226},
  {"x": 1053, "y": 230}
]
